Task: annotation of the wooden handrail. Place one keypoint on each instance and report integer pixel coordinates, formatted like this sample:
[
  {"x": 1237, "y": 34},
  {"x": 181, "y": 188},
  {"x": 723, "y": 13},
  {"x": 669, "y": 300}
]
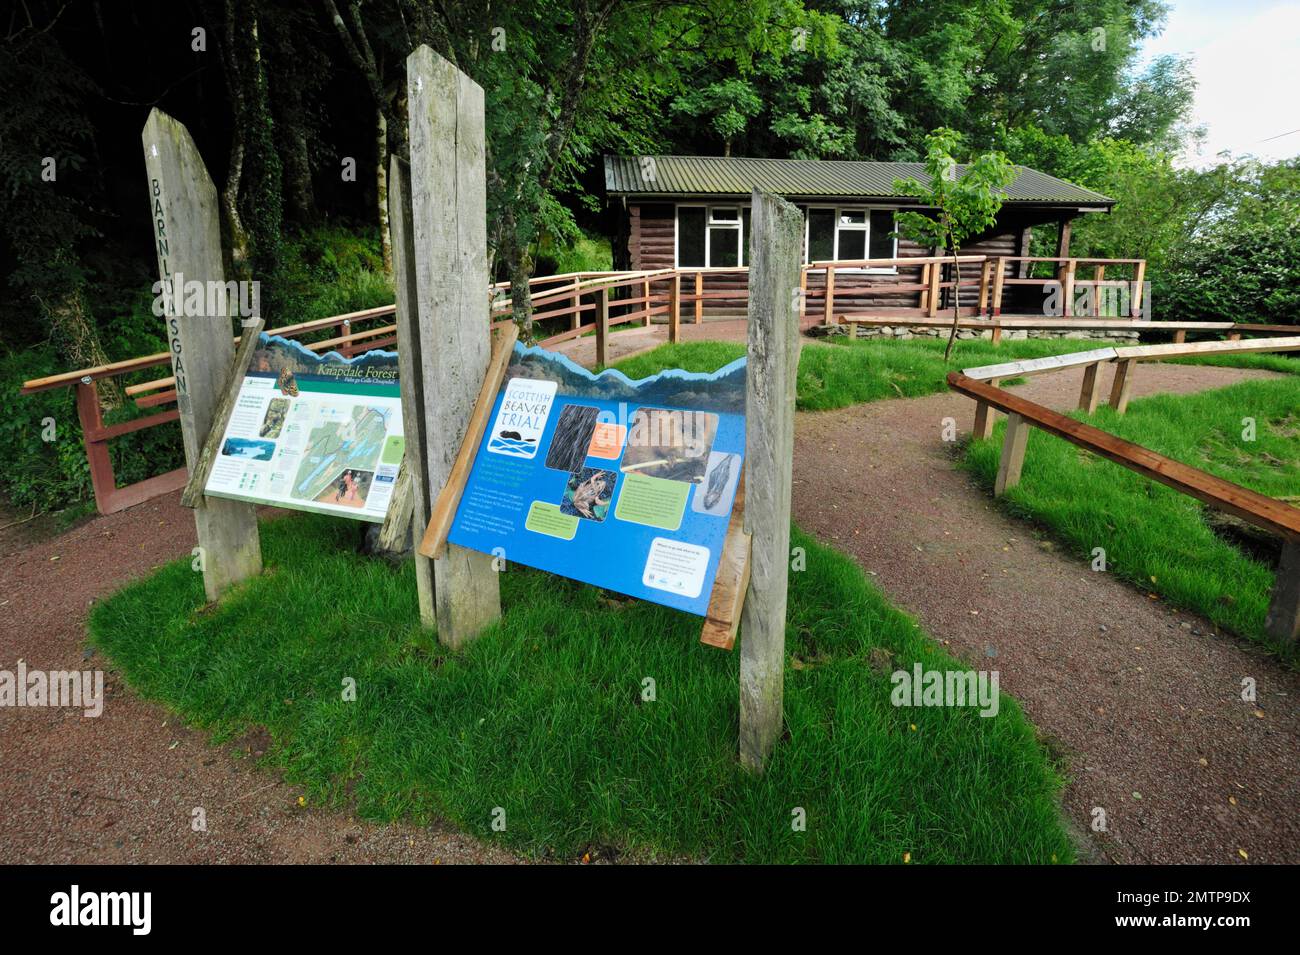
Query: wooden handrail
[
  {"x": 1251, "y": 506},
  {"x": 148, "y": 361}
]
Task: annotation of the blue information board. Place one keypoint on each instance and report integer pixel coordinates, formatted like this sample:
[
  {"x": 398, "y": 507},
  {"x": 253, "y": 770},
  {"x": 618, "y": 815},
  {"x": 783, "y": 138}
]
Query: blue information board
[{"x": 623, "y": 484}]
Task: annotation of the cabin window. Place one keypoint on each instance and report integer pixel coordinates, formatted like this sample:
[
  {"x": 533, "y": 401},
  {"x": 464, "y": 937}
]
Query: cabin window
[
  {"x": 847, "y": 232},
  {"x": 717, "y": 237},
  {"x": 714, "y": 237}
]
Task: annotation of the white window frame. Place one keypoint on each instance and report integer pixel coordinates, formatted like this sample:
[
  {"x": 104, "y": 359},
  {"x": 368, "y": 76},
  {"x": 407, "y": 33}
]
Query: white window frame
[
  {"x": 736, "y": 225},
  {"x": 838, "y": 212}
]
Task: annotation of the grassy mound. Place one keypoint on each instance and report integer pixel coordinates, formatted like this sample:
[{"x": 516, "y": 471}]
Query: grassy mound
[{"x": 544, "y": 715}]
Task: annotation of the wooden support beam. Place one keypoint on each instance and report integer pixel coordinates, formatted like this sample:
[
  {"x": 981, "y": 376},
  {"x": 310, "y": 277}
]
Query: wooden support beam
[
  {"x": 645, "y": 292},
  {"x": 923, "y": 301},
  {"x": 728, "y": 598},
  {"x": 1122, "y": 385},
  {"x": 1013, "y": 454},
  {"x": 1090, "y": 394},
  {"x": 449, "y": 217},
  {"x": 448, "y": 500},
  {"x": 193, "y": 493},
  {"x": 602, "y": 328},
  {"x": 986, "y": 270},
  {"x": 699, "y": 297},
  {"x": 1283, "y": 620},
  {"x": 187, "y": 234},
  {"x": 410, "y": 383},
  {"x": 1099, "y": 276},
  {"x": 575, "y": 301},
  {"x": 773, "y": 365}
]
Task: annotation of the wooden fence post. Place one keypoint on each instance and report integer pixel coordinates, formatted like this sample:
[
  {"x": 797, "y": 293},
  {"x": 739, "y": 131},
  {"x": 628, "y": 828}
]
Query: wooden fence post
[
  {"x": 409, "y": 364},
  {"x": 699, "y": 297},
  {"x": 1067, "y": 289},
  {"x": 575, "y": 302},
  {"x": 675, "y": 308},
  {"x": 1090, "y": 394},
  {"x": 1013, "y": 454},
  {"x": 983, "y": 305},
  {"x": 828, "y": 304},
  {"x": 984, "y": 415},
  {"x": 645, "y": 306},
  {"x": 772, "y": 370},
  {"x": 602, "y": 328},
  {"x": 1139, "y": 277},
  {"x": 449, "y": 231},
  {"x": 1283, "y": 620},
  {"x": 932, "y": 296},
  {"x": 998, "y": 277},
  {"x": 187, "y": 236},
  {"x": 1121, "y": 385}
]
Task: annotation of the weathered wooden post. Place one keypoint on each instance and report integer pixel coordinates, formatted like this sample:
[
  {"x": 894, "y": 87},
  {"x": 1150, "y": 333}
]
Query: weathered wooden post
[
  {"x": 1013, "y": 454},
  {"x": 449, "y": 243},
  {"x": 409, "y": 364},
  {"x": 1283, "y": 620},
  {"x": 1089, "y": 393},
  {"x": 675, "y": 308},
  {"x": 773, "y": 366},
  {"x": 602, "y": 328},
  {"x": 985, "y": 415},
  {"x": 1122, "y": 385},
  {"x": 187, "y": 235}
]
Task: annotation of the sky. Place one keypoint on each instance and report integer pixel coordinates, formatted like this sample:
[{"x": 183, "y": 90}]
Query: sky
[{"x": 1246, "y": 60}]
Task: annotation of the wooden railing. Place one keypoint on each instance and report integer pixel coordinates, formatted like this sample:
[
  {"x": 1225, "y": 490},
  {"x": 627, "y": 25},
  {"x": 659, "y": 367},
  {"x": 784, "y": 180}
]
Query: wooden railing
[
  {"x": 599, "y": 302},
  {"x": 161, "y": 391},
  {"x": 1273, "y": 516}
]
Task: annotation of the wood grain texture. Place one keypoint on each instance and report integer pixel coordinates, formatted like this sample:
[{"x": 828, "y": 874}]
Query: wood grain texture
[
  {"x": 415, "y": 457},
  {"x": 449, "y": 219},
  {"x": 773, "y": 362},
  {"x": 187, "y": 234},
  {"x": 722, "y": 619},
  {"x": 1012, "y": 460},
  {"x": 193, "y": 493}
]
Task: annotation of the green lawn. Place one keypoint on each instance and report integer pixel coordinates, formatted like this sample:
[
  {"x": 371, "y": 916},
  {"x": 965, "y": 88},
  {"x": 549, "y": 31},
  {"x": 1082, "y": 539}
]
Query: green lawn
[
  {"x": 842, "y": 371},
  {"x": 1154, "y": 536},
  {"x": 543, "y": 715}
]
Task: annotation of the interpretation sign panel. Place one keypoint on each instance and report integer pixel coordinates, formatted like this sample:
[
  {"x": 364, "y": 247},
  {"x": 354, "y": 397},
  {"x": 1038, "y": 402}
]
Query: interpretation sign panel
[
  {"x": 313, "y": 432},
  {"x": 623, "y": 484}
]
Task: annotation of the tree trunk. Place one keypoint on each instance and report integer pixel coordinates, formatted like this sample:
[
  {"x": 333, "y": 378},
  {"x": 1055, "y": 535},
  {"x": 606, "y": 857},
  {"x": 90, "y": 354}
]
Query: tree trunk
[
  {"x": 381, "y": 190},
  {"x": 77, "y": 339},
  {"x": 956, "y": 303}
]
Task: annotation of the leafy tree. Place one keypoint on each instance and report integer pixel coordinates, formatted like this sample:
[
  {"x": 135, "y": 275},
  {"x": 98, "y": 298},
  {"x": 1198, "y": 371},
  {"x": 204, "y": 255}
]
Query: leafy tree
[{"x": 964, "y": 204}]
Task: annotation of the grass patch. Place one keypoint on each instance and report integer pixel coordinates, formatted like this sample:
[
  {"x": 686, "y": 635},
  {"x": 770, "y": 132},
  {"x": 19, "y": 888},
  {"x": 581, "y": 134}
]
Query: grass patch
[
  {"x": 842, "y": 371},
  {"x": 543, "y": 715},
  {"x": 1154, "y": 536}
]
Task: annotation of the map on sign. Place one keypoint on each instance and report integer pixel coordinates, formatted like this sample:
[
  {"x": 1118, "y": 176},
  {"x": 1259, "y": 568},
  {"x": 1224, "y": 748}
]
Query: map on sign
[
  {"x": 623, "y": 484},
  {"x": 313, "y": 432}
]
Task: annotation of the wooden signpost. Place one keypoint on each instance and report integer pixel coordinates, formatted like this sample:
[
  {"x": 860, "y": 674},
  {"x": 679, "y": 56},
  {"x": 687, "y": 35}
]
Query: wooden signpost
[
  {"x": 445, "y": 279},
  {"x": 773, "y": 367},
  {"x": 187, "y": 236}
]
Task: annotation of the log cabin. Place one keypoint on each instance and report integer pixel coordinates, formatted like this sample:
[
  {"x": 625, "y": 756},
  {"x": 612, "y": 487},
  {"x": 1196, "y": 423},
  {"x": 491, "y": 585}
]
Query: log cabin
[{"x": 692, "y": 212}]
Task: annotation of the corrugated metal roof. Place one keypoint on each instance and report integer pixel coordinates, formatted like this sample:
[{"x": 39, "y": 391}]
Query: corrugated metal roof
[{"x": 813, "y": 178}]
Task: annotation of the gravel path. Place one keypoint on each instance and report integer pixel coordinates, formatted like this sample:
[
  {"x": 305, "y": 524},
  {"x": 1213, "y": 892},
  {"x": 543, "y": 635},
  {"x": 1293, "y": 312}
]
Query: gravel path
[
  {"x": 1136, "y": 699},
  {"x": 1142, "y": 702},
  {"x": 122, "y": 787}
]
